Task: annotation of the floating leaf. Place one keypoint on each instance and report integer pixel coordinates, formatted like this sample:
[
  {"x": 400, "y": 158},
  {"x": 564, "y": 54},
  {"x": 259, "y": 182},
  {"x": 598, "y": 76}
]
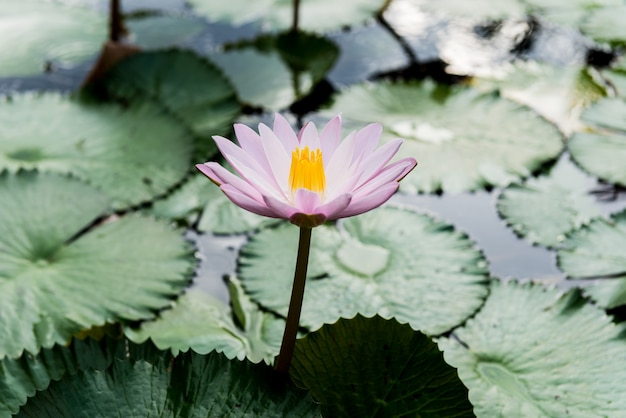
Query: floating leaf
[
  {"x": 609, "y": 293},
  {"x": 477, "y": 9},
  {"x": 446, "y": 129},
  {"x": 405, "y": 374},
  {"x": 218, "y": 214},
  {"x": 37, "y": 33},
  {"x": 163, "y": 31},
  {"x": 204, "y": 324},
  {"x": 22, "y": 377},
  {"x": 603, "y": 151},
  {"x": 606, "y": 24},
  {"x": 189, "y": 87},
  {"x": 152, "y": 383},
  {"x": 132, "y": 154},
  {"x": 391, "y": 261},
  {"x": 533, "y": 352},
  {"x": 272, "y": 72},
  {"x": 56, "y": 280},
  {"x": 543, "y": 210},
  {"x": 276, "y": 15},
  {"x": 596, "y": 250}
]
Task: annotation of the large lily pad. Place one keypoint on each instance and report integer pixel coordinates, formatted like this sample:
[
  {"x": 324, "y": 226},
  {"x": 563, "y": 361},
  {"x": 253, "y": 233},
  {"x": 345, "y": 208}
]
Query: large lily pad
[
  {"x": 543, "y": 210},
  {"x": 203, "y": 323},
  {"x": 150, "y": 383},
  {"x": 606, "y": 24},
  {"x": 463, "y": 139},
  {"x": 132, "y": 154},
  {"x": 405, "y": 373},
  {"x": 596, "y": 250},
  {"x": 602, "y": 152},
  {"x": 609, "y": 293},
  {"x": 38, "y": 33},
  {"x": 391, "y": 261},
  {"x": 189, "y": 87},
  {"x": 200, "y": 199},
  {"x": 161, "y": 31},
  {"x": 276, "y": 15},
  {"x": 56, "y": 280},
  {"x": 533, "y": 352}
]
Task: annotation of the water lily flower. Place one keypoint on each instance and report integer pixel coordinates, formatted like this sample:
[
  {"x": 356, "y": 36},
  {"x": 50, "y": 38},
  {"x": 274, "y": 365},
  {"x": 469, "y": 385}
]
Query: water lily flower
[{"x": 308, "y": 178}]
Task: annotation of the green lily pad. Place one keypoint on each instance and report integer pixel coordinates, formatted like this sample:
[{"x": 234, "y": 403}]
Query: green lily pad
[
  {"x": 606, "y": 24},
  {"x": 596, "y": 250},
  {"x": 189, "y": 87},
  {"x": 202, "y": 323},
  {"x": 132, "y": 154},
  {"x": 161, "y": 31},
  {"x": 22, "y": 377},
  {"x": 405, "y": 373},
  {"x": 477, "y": 9},
  {"x": 37, "y": 33},
  {"x": 534, "y": 352},
  {"x": 609, "y": 293},
  {"x": 150, "y": 383},
  {"x": 560, "y": 94},
  {"x": 56, "y": 279},
  {"x": 272, "y": 72},
  {"x": 543, "y": 210},
  {"x": 277, "y": 15},
  {"x": 390, "y": 261},
  {"x": 446, "y": 129},
  {"x": 602, "y": 152},
  {"x": 198, "y": 197}
]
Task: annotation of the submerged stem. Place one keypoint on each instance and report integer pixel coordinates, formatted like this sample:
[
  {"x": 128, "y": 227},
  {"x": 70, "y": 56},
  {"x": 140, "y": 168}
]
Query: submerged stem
[
  {"x": 296, "y": 15},
  {"x": 295, "y": 304}
]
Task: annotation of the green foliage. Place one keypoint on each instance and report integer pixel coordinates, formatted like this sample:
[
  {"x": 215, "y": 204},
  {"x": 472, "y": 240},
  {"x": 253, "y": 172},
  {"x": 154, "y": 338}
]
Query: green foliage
[{"x": 372, "y": 367}]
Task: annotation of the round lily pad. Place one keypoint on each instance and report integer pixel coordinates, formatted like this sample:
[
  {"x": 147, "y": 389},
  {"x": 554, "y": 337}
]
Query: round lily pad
[
  {"x": 606, "y": 24},
  {"x": 277, "y": 15},
  {"x": 481, "y": 9},
  {"x": 534, "y": 352},
  {"x": 58, "y": 278},
  {"x": 602, "y": 151},
  {"x": 390, "y": 261},
  {"x": 543, "y": 210},
  {"x": 462, "y": 138},
  {"x": 37, "y": 33},
  {"x": 132, "y": 154},
  {"x": 405, "y": 374},
  {"x": 609, "y": 293},
  {"x": 596, "y": 250},
  {"x": 149, "y": 383}
]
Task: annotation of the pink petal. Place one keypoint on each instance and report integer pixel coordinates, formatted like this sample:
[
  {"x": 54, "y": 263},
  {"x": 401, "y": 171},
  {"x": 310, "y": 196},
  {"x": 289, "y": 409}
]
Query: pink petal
[
  {"x": 331, "y": 137},
  {"x": 247, "y": 167},
  {"x": 338, "y": 165},
  {"x": 333, "y": 208},
  {"x": 278, "y": 157},
  {"x": 247, "y": 203},
  {"x": 221, "y": 176},
  {"x": 377, "y": 160},
  {"x": 285, "y": 133},
  {"x": 279, "y": 207},
  {"x": 249, "y": 141},
  {"x": 370, "y": 201},
  {"x": 306, "y": 201},
  {"x": 391, "y": 173},
  {"x": 367, "y": 140},
  {"x": 309, "y": 137}
]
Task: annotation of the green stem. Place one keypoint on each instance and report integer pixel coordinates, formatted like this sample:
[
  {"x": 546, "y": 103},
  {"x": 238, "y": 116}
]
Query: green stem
[
  {"x": 296, "y": 14},
  {"x": 115, "y": 21},
  {"x": 295, "y": 304}
]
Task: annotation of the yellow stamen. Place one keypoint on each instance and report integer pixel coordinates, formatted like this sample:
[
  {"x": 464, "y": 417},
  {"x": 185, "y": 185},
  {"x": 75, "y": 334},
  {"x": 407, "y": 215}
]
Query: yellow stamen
[{"x": 307, "y": 170}]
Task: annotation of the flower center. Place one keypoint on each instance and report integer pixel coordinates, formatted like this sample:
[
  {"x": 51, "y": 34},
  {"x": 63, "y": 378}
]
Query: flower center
[{"x": 307, "y": 170}]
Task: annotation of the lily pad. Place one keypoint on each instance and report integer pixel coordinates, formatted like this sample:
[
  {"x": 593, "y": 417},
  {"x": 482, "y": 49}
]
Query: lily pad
[
  {"x": 391, "y": 261},
  {"x": 204, "y": 324},
  {"x": 277, "y": 15},
  {"x": 543, "y": 210},
  {"x": 606, "y": 24},
  {"x": 459, "y": 147},
  {"x": 56, "y": 279},
  {"x": 162, "y": 31},
  {"x": 609, "y": 293},
  {"x": 132, "y": 154},
  {"x": 199, "y": 198},
  {"x": 481, "y": 9},
  {"x": 150, "y": 383},
  {"x": 534, "y": 352},
  {"x": 596, "y": 250},
  {"x": 38, "y": 33},
  {"x": 189, "y": 87},
  {"x": 405, "y": 374},
  {"x": 602, "y": 151},
  {"x": 272, "y": 72}
]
